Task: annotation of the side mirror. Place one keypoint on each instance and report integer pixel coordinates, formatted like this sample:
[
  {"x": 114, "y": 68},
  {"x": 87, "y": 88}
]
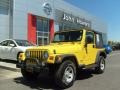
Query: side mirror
[{"x": 12, "y": 45}]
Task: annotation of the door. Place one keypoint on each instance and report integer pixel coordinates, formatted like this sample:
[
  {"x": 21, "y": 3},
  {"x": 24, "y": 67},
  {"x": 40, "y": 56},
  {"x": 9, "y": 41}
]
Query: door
[
  {"x": 12, "y": 50},
  {"x": 4, "y": 50},
  {"x": 91, "y": 50},
  {"x": 8, "y": 50},
  {"x": 42, "y": 31}
]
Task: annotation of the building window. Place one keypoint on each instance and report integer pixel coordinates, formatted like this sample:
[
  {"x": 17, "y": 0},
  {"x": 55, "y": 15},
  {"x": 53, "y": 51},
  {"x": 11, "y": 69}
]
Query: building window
[{"x": 42, "y": 31}]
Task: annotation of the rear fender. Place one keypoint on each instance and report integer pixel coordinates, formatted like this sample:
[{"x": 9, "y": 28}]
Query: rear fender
[{"x": 100, "y": 53}]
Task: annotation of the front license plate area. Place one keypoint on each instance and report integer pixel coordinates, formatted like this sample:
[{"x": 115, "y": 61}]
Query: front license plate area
[{"x": 31, "y": 63}]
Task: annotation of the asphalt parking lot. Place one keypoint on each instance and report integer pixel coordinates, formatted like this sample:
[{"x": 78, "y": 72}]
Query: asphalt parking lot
[{"x": 86, "y": 80}]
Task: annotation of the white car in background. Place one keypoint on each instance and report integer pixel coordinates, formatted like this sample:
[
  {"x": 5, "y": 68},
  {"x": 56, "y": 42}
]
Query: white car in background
[{"x": 10, "y": 49}]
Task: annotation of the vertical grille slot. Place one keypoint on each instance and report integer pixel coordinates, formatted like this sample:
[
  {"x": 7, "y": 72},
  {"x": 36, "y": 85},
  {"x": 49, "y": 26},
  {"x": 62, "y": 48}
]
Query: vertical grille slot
[
  {"x": 41, "y": 55},
  {"x": 36, "y": 54}
]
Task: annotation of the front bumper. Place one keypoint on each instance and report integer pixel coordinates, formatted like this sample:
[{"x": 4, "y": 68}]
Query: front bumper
[{"x": 33, "y": 65}]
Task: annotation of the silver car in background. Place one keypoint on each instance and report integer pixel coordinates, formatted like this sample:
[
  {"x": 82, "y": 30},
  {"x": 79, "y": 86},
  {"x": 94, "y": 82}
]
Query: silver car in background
[{"x": 10, "y": 48}]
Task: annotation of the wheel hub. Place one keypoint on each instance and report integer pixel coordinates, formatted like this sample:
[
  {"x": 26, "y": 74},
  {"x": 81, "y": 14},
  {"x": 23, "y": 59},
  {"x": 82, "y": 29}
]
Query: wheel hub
[
  {"x": 68, "y": 74},
  {"x": 102, "y": 65}
]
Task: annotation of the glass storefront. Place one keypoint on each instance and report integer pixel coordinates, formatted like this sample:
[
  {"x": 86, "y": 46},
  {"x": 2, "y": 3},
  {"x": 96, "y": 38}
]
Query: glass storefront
[{"x": 42, "y": 31}]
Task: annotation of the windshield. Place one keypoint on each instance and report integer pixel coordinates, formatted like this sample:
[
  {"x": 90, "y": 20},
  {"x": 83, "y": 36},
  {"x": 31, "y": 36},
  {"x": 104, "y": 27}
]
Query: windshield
[
  {"x": 23, "y": 43},
  {"x": 68, "y": 36}
]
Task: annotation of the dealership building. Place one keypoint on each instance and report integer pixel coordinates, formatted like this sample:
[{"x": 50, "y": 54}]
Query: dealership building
[{"x": 37, "y": 20}]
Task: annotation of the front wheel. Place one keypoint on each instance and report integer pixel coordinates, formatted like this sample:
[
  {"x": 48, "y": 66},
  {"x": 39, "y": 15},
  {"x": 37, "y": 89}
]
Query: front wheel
[
  {"x": 101, "y": 65},
  {"x": 65, "y": 74}
]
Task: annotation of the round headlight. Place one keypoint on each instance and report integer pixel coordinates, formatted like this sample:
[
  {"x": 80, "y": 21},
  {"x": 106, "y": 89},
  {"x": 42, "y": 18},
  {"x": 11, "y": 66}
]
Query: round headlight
[
  {"x": 46, "y": 55},
  {"x": 27, "y": 54}
]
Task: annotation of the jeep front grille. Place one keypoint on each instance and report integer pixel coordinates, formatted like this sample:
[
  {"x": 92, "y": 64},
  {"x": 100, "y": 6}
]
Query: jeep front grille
[{"x": 36, "y": 54}]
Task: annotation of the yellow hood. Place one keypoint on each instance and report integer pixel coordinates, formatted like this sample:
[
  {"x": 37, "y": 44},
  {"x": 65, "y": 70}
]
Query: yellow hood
[{"x": 60, "y": 48}]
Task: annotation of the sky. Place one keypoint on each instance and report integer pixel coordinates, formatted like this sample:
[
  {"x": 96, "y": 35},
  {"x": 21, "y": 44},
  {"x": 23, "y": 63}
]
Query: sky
[{"x": 106, "y": 10}]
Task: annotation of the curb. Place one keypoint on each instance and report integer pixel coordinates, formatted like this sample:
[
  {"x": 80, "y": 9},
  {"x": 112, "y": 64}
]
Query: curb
[
  {"x": 10, "y": 68},
  {"x": 9, "y": 65}
]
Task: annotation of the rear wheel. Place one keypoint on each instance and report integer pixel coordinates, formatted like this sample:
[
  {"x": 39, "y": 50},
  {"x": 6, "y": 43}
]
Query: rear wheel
[
  {"x": 65, "y": 74},
  {"x": 101, "y": 65}
]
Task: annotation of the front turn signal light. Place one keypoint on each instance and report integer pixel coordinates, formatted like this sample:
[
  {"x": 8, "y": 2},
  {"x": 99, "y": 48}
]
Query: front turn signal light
[{"x": 21, "y": 56}]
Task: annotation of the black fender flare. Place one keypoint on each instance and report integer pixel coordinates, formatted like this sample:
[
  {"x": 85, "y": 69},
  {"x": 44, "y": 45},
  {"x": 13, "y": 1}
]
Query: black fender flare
[
  {"x": 19, "y": 53},
  {"x": 63, "y": 57},
  {"x": 100, "y": 53}
]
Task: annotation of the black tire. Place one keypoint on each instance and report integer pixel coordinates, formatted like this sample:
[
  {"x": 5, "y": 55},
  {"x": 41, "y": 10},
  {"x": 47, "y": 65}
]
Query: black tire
[
  {"x": 18, "y": 56},
  {"x": 29, "y": 75},
  {"x": 101, "y": 65},
  {"x": 61, "y": 75}
]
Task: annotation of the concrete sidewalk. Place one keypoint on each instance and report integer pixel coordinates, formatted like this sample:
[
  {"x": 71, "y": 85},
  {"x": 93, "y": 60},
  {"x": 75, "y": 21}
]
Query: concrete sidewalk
[{"x": 9, "y": 65}]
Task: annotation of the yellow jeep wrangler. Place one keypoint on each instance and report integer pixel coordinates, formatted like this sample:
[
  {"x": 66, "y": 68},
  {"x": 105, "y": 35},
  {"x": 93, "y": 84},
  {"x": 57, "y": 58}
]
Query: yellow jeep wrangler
[{"x": 69, "y": 51}]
